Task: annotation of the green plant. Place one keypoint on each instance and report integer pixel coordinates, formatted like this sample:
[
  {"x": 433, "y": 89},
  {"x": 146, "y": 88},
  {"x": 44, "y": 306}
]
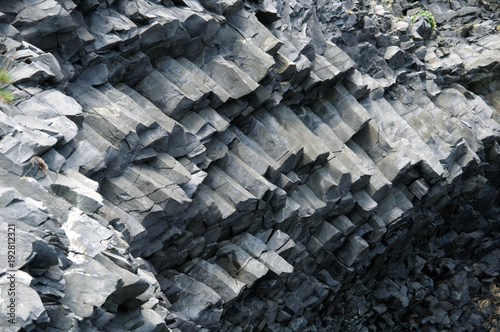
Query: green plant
[
  {"x": 4, "y": 76},
  {"x": 427, "y": 14},
  {"x": 6, "y": 96},
  {"x": 498, "y": 27}
]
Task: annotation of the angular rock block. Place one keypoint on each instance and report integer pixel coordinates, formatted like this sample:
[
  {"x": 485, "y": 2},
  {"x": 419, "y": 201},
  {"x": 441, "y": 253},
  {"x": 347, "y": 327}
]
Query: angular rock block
[
  {"x": 394, "y": 56},
  {"x": 323, "y": 236},
  {"x": 231, "y": 78},
  {"x": 180, "y": 141},
  {"x": 133, "y": 232},
  {"x": 21, "y": 145},
  {"x": 184, "y": 80},
  {"x": 78, "y": 190},
  {"x": 218, "y": 95},
  {"x": 246, "y": 176},
  {"x": 130, "y": 287},
  {"x": 324, "y": 187},
  {"x": 379, "y": 185},
  {"x": 360, "y": 175},
  {"x": 196, "y": 301},
  {"x": 351, "y": 112},
  {"x": 230, "y": 190},
  {"x": 381, "y": 149},
  {"x": 252, "y": 154},
  {"x": 165, "y": 94},
  {"x": 32, "y": 313},
  {"x": 89, "y": 285},
  {"x": 240, "y": 265},
  {"x": 320, "y": 128},
  {"x": 354, "y": 249},
  {"x": 275, "y": 263},
  {"x": 263, "y": 129},
  {"x": 223, "y": 7},
  {"x": 217, "y": 279},
  {"x": 409, "y": 142},
  {"x": 365, "y": 204},
  {"x": 356, "y": 84},
  {"x": 159, "y": 189},
  {"x": 314, "y": 150},
  {"x": 250, "y": 26},
  {"x": 39, "y": 23},
  {"x": 338, "y": 58},
  {"x": 344, "y": 224},
  {"x": 62, "y": 104},
  {"x": 332, "y": 117}
]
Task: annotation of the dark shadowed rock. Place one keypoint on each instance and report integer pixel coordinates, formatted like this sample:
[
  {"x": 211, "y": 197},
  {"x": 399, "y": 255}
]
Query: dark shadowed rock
[{"x": 223, "y": 7}]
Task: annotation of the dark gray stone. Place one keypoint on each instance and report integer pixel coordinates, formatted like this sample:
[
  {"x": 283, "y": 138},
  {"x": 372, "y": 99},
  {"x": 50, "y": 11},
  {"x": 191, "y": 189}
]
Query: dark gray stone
[
  {"x": 223, "y": 7},
  {"x": 394, "y": 56}
]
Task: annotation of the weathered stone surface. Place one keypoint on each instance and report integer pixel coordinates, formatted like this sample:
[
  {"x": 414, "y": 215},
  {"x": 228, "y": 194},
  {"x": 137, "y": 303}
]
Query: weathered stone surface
[
  {"x": 223, "y": 7},
  {"x": 232, "y": 79},
  {"x": 269, "y": 165},
  {"x": 394, "y": 56},
  {"x": 218, "y": 279},
  {"x": 78, "y": 190},
  {"x": 354, "y": 250},
  {"x": 29, "y": 314},
  {"x": 240, "y": 264},
  {"x": 164, "y": 94},
  {"x": 86, "y": 235},
  {"x": 218, "y": 95},
  {"x": 88, "y": 284},
  {"x": 199, "y": 303}
]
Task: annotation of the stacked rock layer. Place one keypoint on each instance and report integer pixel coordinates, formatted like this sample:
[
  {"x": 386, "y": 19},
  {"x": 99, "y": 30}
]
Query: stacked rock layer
[{"x": 251, "y": 166}]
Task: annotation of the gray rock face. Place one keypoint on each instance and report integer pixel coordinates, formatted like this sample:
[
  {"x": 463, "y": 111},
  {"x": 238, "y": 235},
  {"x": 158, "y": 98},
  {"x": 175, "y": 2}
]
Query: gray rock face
[
  {"x": 222, "y": 165},
  {"x": 394, "y": 56},
  {"x": 223, "y": 7}
]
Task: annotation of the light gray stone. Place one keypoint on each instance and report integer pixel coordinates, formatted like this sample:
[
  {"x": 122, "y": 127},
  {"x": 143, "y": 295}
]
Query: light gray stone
[
  {"x": 88, "y": 284},
  {"x": 218, "y": 279},
  {"x": 78, "y": 190},
  {"x": 232, "y": 79},
  {"x": 162, "y": 92},
  {"x": 86, "y": 235},
  {"x": 197, "y": 301},
  {"x": 28, "y": 309}
]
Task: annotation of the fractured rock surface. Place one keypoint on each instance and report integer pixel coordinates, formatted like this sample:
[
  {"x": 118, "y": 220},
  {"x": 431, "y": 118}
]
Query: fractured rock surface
[{"x": 234, "y": 165}]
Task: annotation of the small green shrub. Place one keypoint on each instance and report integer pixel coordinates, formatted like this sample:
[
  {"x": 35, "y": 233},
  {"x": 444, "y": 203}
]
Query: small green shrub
[
  {"x": 4, "y": 76},
  {"x": 498, "y": 27},
  {"x": 428, "y": 15},
  {"x": 6, "y": 96}
]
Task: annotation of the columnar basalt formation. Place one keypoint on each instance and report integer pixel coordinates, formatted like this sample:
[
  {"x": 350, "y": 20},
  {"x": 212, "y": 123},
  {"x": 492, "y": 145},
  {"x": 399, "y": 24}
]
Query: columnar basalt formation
[{"x": 271, "y": 165}]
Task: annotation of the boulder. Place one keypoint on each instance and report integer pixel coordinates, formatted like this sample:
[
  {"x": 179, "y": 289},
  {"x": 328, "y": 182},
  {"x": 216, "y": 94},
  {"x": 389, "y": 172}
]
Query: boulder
[
  {"x": 88, "y": 285},
  {"x": 78, "y": 190},
  {"x": 394, "y": 56}
]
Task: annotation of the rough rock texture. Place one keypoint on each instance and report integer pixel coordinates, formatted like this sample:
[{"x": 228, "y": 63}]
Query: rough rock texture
[{"x": 264, "y": 165}]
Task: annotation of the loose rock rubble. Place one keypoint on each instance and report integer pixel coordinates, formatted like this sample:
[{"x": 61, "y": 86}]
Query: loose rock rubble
[{"x": 264, "y": 165}]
